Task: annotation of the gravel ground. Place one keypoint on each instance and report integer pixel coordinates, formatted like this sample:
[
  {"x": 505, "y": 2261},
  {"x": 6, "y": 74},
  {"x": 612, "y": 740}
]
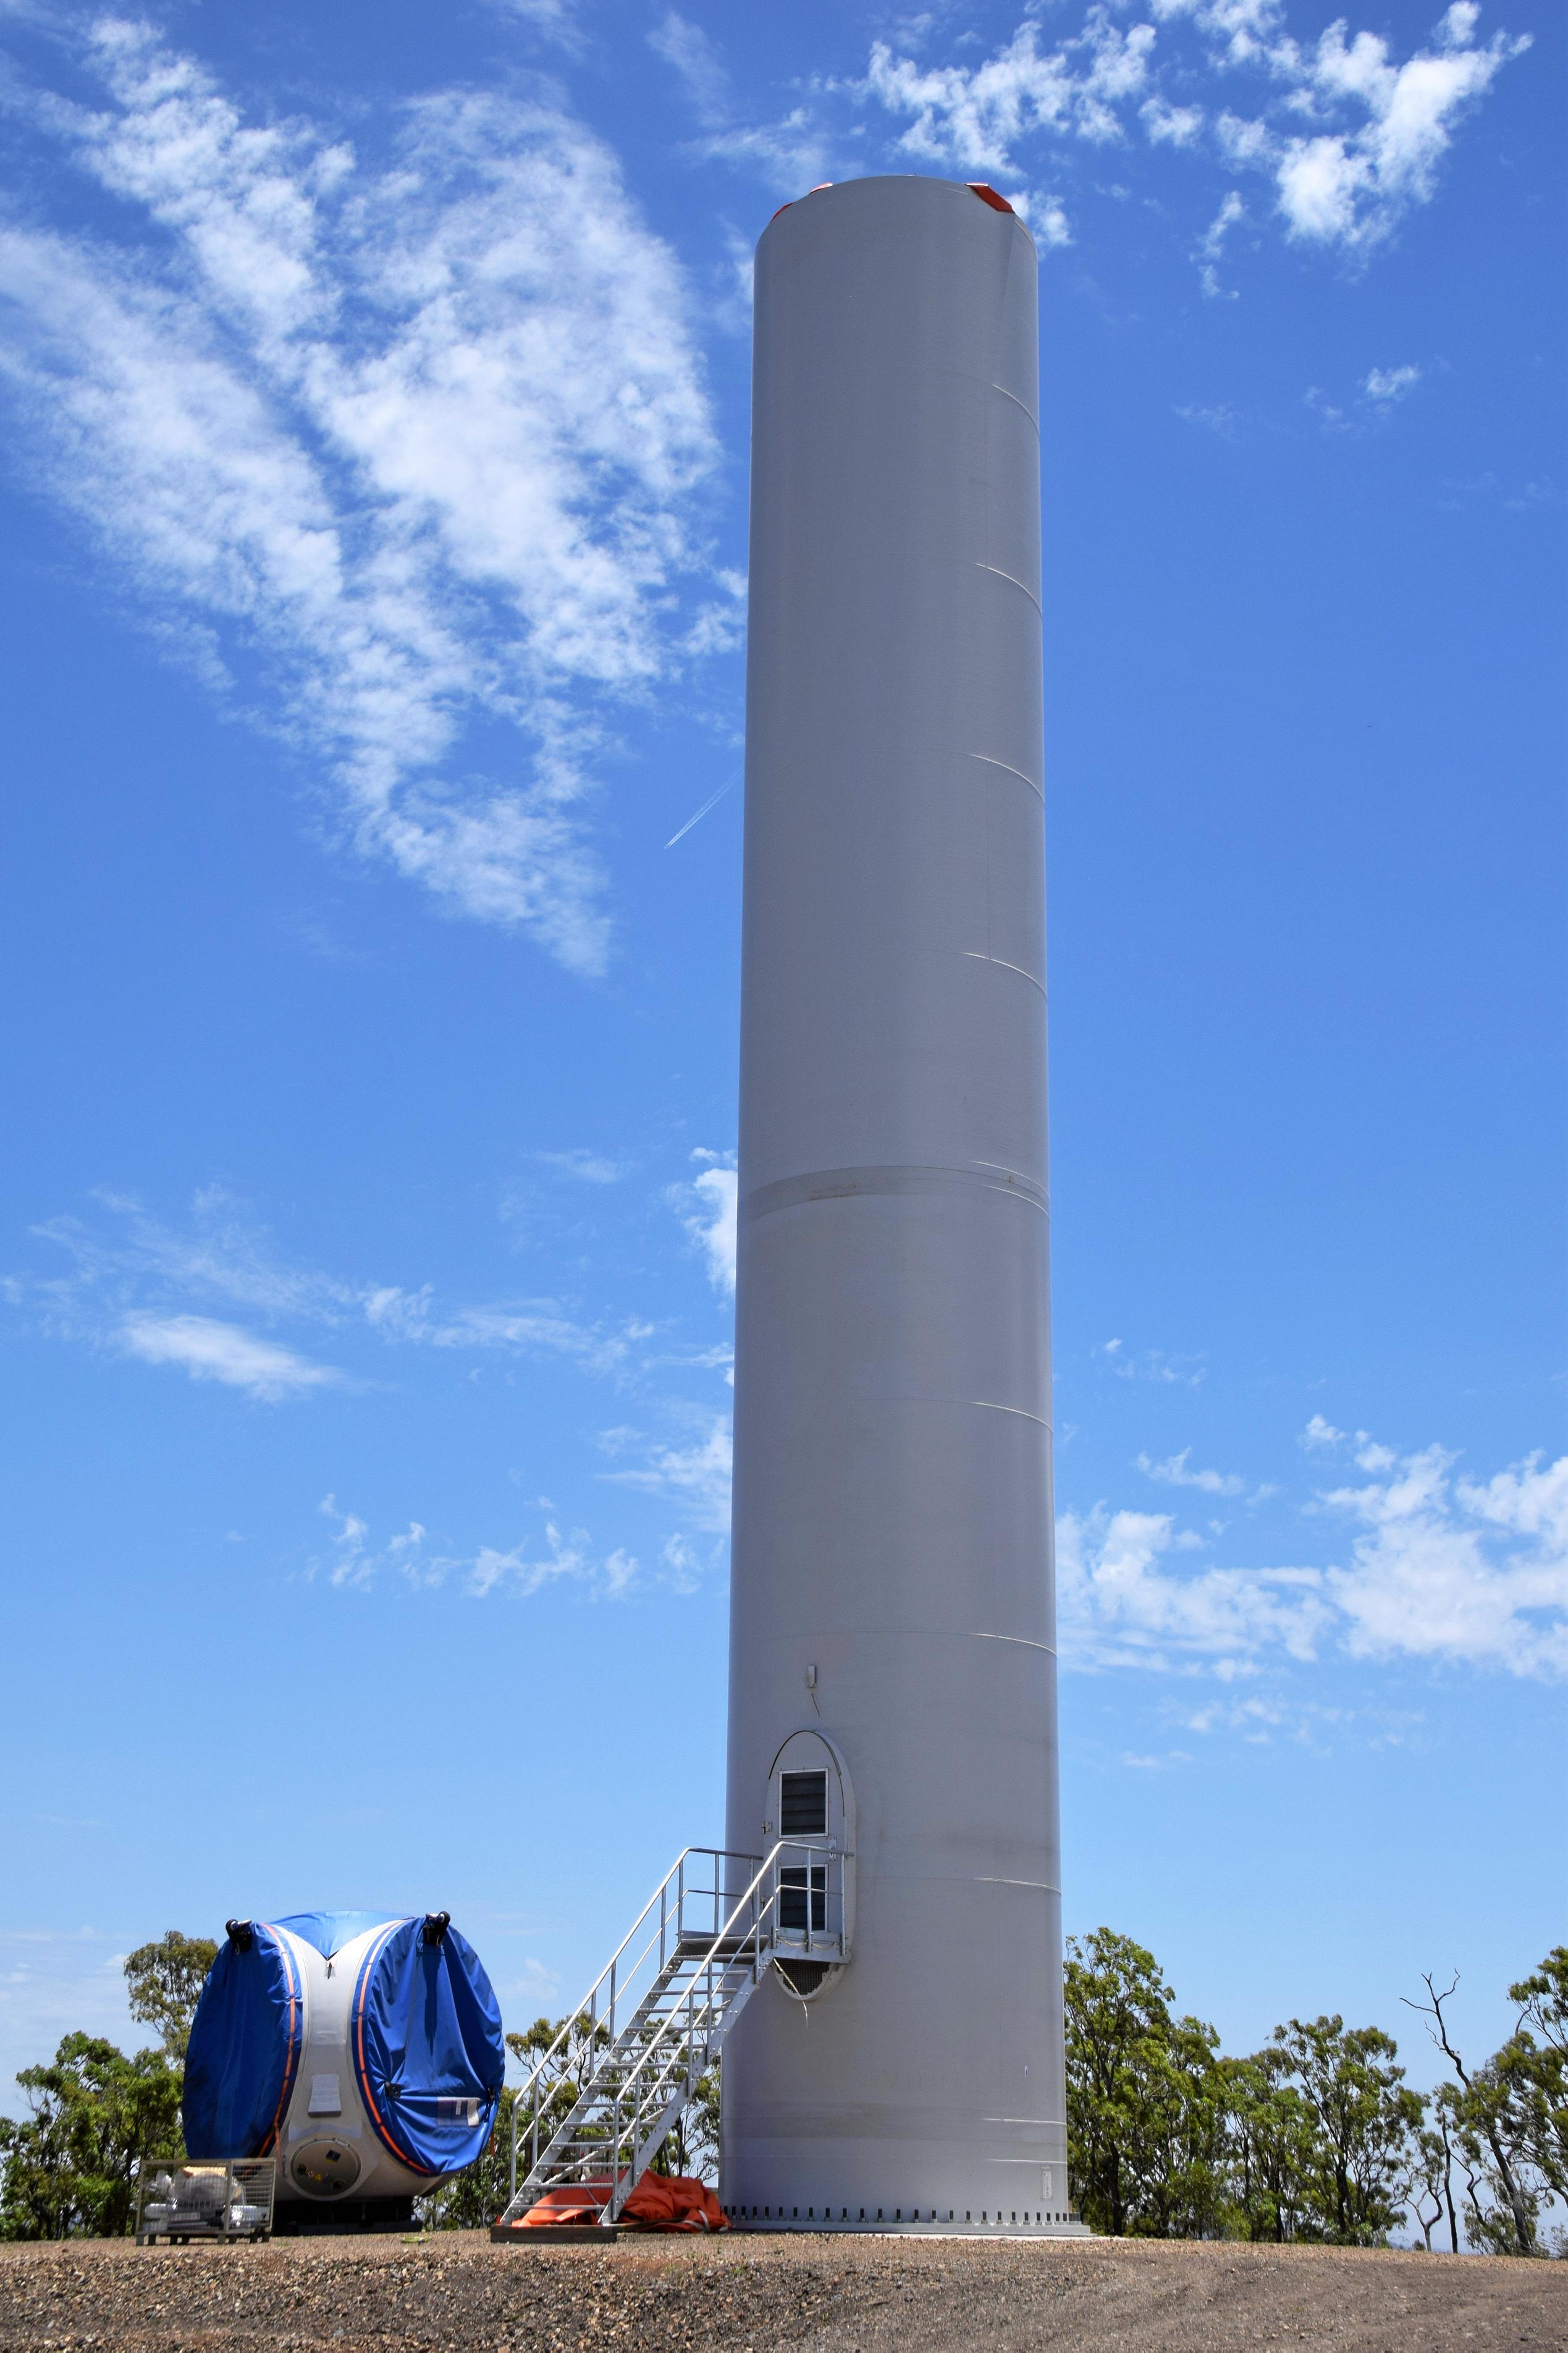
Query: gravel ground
[{"x": 751, "y": 2295}]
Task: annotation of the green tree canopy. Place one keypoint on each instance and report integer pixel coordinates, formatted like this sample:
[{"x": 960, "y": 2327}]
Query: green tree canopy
[
  {"x": 69, "y": 2163},
  {"x": 1146, "y": 2110},
  {"x": 1533, "y": 2072},
  {"x": 1274, "y": 2150},
  {"x": 92, "y": 2113},
  {"x": 165, "y": 1982},
  {"x": 1363, "y": 2118},
  {"x": 1313, "y": 2137}
]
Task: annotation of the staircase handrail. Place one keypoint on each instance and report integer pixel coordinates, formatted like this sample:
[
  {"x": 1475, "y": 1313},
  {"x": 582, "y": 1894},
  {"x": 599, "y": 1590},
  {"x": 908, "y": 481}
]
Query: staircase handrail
[
  {"x": 588, "y": 2008},
  {"x": 692, "y": 2016},
  {"x": 723, "y": 1934}
]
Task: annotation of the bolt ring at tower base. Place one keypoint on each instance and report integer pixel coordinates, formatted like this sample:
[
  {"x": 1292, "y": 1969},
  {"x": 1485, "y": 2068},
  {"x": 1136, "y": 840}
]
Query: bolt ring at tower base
[{"x": 890, "y": 2224}]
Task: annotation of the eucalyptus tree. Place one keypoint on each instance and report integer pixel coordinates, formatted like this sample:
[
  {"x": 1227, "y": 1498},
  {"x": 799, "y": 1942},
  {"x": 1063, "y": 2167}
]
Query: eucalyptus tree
[
  {"x": 1364, "y": 2117},
  {"x": 163, "y": 1984},
  {"x": 1146, "y": 2098}
]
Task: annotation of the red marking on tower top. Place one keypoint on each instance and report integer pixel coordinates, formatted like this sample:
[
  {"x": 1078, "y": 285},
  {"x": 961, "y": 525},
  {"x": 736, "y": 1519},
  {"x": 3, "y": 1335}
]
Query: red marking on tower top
[
  {"x": 810, "y": 192},
  {"x": 982, "y": 188}
]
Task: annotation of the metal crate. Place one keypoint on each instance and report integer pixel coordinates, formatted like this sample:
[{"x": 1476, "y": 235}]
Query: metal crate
[{"x": 212, "y": 2198}]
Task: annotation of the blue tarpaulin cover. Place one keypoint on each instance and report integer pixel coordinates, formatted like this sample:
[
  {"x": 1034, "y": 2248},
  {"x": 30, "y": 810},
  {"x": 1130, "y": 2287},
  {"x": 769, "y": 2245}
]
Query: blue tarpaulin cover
[
  {"x": 331, "y": 1931},
  {"x": 427, "y": 2048},
  {"x": 245, "y": 2049}
]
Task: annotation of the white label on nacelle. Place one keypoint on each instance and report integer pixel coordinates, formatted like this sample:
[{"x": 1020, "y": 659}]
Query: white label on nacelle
[{"x": 324, "y": 2098}]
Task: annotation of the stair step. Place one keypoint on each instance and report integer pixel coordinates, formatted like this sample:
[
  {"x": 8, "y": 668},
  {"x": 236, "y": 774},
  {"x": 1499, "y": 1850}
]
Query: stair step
[{"x": 627, "y": 2091}]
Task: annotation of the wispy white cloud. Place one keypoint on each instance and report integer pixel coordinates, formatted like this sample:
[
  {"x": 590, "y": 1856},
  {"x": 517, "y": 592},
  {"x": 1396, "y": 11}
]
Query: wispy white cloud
[
  {"x": 1377, "y": 132},
  {"x": 529, "y": 1327},
  {"x": 1353, "y": 187},
  {"x": 556, "y": 20},
  {"x": 135, "y": 1286},
  {"x": 1350, "y": 136},
  {"x": 1392, "y": 383},
  {"x": 422, "y": 441},
  {"x": 973, "y": 117},
  {"x": 685, "y": 46},
  {"x": 209, "y": 1351},
  {"x": 695, "y": 1477},
  {"x": 523, "y": 1569},
  {"x": 1321, "y": 1436},
  {"x": 136, "y": 1282},
  {"x": 1171, "y": 126},
  {"x": 1457, "y": 1569},
  {"x": 1220, "y": 418},
  {"x": 789, "y": 155},
  {"x": 525, "y": 1572},
  {"x": 1255, "y": 1719},
  {"x": 1441, "y": 1569},
  {"x": 355, "y": 1562},
  {"x": 683, "y": 1566},
  {"x": 709, "y": 1209},
  {"x": 1370, "y": 406},
  {"x": 1125, "y": 1600},
  {"x": 556, "y": 1557},
  {"x": 1173, "y": 1472},
  {"x": 1260, "y": 1718},
  {"x": 1319, "y": 1432},
  {"x": 593, "y": 1167},
  {"x": 1151, "y": 1364},
  {"x": 127, "y": 1257},
  {"x": 1211, "y": 245}
]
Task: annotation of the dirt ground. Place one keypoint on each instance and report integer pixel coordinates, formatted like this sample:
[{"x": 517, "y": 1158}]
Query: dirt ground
[{"x": 748, "y": 2294}]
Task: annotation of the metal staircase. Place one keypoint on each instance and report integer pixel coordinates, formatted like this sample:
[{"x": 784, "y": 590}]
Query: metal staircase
[{"x": 611, "y": 2087}]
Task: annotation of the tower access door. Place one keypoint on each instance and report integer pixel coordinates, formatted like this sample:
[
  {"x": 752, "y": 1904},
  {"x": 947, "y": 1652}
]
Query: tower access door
[{"x": 809, "y": 1814}]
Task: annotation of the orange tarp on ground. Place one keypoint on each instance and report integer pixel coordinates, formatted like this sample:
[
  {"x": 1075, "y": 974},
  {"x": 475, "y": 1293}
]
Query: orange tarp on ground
[
  {"x": 583, "y": 2202},
  {"x": 659, "y": 2202},
  {"x": 674, "y": 2203}
]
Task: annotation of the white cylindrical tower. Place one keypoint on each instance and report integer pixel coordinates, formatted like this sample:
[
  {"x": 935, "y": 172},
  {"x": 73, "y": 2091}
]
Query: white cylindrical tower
[{"x": 893, "y": 1615}]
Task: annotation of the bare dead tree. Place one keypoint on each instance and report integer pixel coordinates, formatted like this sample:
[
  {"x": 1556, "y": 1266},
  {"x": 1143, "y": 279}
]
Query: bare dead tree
[
  {"x": 1432, "y": 2176},
  {"x": 1477, "y": 2110},
  {"x": 1449, "y": 2177}
]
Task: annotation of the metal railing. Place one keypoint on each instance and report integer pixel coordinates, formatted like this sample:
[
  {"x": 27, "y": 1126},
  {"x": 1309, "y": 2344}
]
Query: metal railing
[
  {"x": 224, "y": 2198},
  {"x": 603, "y": 2097}
]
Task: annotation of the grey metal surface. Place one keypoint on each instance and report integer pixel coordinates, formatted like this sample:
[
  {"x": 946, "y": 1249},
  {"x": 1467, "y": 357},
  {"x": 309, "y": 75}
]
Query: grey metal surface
[{"x": 892, "y": 1513}]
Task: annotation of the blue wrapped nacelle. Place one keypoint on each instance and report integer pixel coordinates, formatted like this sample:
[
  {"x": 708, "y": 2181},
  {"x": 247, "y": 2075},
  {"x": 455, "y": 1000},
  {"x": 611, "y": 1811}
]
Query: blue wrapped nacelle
[{"x": 364, "y": 2050}]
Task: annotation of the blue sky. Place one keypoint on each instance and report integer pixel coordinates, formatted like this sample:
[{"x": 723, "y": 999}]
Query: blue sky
[{"x": 374, "y": 564}]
